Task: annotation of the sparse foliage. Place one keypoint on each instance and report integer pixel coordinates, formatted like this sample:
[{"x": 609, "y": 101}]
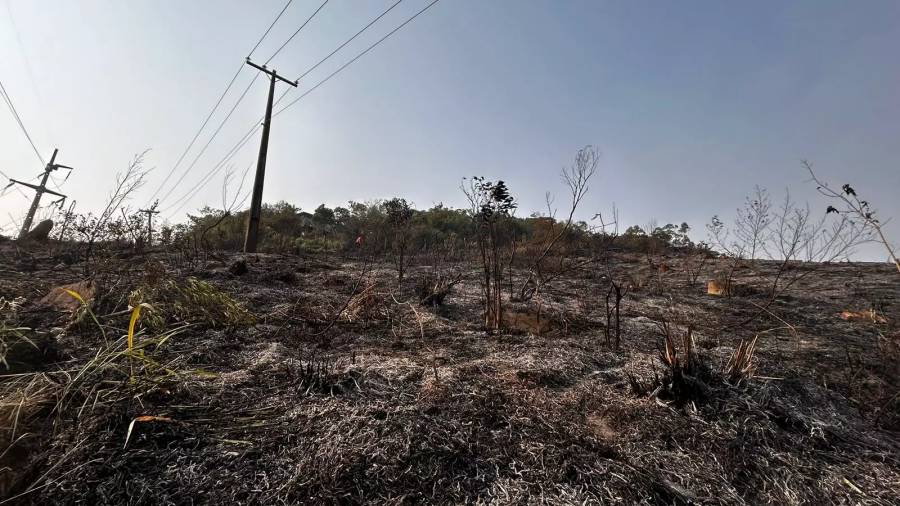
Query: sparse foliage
[
  {"x": 491, "y": 206},
  {"x": 852, "y": 207}
]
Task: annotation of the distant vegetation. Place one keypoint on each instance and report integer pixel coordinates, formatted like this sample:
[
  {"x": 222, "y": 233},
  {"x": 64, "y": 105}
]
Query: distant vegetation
[{"x": 289, "y": 229}]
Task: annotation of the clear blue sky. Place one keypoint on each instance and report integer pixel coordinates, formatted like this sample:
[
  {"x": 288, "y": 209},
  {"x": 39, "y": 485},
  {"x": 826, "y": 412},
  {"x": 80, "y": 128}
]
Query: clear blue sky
[{"x": 691, "y": 103}]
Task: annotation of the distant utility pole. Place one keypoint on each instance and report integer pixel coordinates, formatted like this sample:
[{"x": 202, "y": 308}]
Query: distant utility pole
[
  {"x": 150, "y": 212},
  {"x": 252, "y": 236},
  {"x": 39, "y": 191}
]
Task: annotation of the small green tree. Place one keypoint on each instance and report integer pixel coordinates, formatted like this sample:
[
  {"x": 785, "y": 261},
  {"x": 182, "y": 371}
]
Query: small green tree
[
  {"x": 398, "y": 215},
  {"x": 491, "y": 206}
]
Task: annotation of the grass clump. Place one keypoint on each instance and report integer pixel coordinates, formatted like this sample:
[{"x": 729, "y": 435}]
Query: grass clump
[
  {"x": 191, "y": 300},
  {"x": 11, "y": 334},
  {"x": 198, "y": 300}
]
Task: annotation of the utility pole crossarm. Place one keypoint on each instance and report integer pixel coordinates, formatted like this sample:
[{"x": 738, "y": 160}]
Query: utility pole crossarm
[
  {"x": 271, "y": 73},
  {"x": 37, "y": 188}
]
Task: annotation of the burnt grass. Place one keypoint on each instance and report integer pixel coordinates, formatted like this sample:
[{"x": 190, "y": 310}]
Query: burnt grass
[{"x": 328, "y": 398}]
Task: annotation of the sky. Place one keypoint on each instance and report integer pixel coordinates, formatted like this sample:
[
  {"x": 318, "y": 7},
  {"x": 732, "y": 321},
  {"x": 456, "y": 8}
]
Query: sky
[{"x": 691, "y": 103}]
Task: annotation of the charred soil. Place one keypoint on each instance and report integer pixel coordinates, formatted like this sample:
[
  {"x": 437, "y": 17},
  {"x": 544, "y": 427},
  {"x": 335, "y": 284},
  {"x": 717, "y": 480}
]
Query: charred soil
[{"x": 270, "y": 379}]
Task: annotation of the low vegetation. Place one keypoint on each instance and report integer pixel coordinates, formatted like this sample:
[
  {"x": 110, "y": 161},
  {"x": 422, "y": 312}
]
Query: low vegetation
[{"x": 382, "y": 353}]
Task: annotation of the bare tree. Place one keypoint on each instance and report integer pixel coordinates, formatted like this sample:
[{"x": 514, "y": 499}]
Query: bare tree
[
  {"x": 790, "y": 237},
  {"x": 856, "y": 209},
  {"x": 753, "y": 220},
  {"x": 229, "y": 205},
  {"x": 127, "y": 182},
  {"x": 577, "y": 176}
]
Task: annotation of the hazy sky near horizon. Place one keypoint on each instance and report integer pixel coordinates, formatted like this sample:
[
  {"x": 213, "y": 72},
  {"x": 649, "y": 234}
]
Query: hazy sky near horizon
[{"x": 690, "y": 103}]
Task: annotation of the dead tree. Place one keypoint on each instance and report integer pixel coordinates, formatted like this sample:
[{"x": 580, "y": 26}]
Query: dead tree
[
  {"x": 576, "y": 177},
  {"x": 854, "y": 208},
  {"x": 228, "y": 205},
  {"x": 127, "y": 182}
]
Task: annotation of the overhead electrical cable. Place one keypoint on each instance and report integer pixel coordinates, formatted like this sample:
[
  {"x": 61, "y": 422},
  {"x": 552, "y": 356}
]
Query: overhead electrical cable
[
  {"x": 15, "y": 113},
  {"x": 209, "y": 175},
  {"x": 269, "y": 29},
  {"x": 217, "y": 104},
  {"x": 357, "y": 34},
  {"x": 197, "y": 187},
  {"x": 310, "y": 18},
  {"x": 357, "y": 57},
  {"x": 212, "y": 138}
]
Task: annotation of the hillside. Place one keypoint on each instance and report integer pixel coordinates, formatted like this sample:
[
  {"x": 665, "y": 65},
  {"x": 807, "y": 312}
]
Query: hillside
[{"x": 316, "y": 379}]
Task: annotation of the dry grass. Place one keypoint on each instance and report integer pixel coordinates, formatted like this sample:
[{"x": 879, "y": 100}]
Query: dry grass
[{"x": 392, "y": 402}]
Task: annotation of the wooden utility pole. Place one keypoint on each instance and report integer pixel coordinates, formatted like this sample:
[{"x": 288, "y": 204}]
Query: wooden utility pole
[
  {"x": 252, "y": 237},
  {"x": 39, "y": 191},
  {"x": 150, "y": 212}
]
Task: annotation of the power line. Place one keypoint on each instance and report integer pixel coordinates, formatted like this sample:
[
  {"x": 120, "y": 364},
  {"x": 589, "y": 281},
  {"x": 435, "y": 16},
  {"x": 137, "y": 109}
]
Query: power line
[
  {"x": 197, "y": 135},
  {"x": 29, "y": 70},
  {"x": 357, "y": 34},
  {"x": 357, "y": 57},
  {"x": 351, "y": 39},
  {"x": 296, "y": 32},
  {"x": 212, "y": 138},
  {"x": 12, "y": 109},
  {"x": 217, "y": 104},
  {"x": 209, "y": 175},
  {"x": 205, "y": 180},
  {"x": 288, "y": 4}
]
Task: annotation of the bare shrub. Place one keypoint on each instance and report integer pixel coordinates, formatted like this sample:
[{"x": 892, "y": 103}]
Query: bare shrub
[
  {"x": 740, "y": 366},
  {"x": 686, "y": 372},
  {"x": 751, "y": 226},
  {"x": 576, "y": 177},
  {"x": 229, "y": 205},
  {"x": 107, "y": 227},
  {"x": 791, "y": 237},
  {"x": 856, "y": 209},
  {"x": 613, "y": 304}
]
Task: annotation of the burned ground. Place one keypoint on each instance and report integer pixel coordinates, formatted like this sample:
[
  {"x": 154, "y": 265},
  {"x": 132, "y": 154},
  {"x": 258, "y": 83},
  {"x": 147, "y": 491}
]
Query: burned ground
[{"x": 337, "y": 387}]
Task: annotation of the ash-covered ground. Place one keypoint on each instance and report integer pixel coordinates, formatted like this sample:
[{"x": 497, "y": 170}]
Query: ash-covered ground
[{"x": 314, "y": 379}]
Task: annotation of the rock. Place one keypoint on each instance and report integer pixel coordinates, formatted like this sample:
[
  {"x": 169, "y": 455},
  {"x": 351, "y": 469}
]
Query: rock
[
  {"x": 40, "y": 232},
  {"x": 238, "y": 267},
  {"x": 59, "y": 299}
]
